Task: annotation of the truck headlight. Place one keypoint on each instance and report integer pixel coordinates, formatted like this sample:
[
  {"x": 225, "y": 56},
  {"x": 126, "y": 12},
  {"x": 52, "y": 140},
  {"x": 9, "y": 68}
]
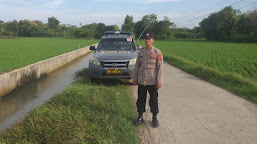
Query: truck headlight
[
  {"x": 133, "y": 61},
  {"x": 94, "y": 61}
]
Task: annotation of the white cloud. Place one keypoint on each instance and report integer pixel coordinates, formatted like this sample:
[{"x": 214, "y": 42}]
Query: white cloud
[
  {"x": 67, "y": 10},
  {"x": 23, "y": 2},
  {"x": 106, "y": 18},
  {"x": 53, "y": 4}
]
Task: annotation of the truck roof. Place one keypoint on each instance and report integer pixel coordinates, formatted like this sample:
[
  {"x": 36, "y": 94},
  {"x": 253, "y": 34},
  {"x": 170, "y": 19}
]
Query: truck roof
[{"x": 116, "y": 36}]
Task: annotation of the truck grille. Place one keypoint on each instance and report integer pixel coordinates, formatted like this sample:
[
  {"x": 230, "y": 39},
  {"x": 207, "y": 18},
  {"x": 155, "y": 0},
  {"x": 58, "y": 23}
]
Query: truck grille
[{"x": 114, "y": 64}]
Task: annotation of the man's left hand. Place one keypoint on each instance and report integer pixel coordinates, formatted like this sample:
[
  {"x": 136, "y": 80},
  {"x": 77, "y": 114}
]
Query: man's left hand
[{"x": 159, "y": 85}]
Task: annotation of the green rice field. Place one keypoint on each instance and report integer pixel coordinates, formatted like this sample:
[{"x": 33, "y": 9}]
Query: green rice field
[
  {"x": 232, "y": 66},
  {"x": 20, "y": 52},
  {"x": 225, "y": 57}
]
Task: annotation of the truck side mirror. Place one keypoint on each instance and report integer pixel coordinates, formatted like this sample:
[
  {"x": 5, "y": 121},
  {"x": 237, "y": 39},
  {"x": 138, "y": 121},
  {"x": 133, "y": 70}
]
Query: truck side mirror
[{"x": 92, "y": 48}]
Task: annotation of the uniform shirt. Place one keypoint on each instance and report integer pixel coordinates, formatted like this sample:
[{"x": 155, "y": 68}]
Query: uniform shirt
[{"x": 148, "y": 68}]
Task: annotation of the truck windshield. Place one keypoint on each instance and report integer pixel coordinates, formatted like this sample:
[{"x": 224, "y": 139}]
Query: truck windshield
[{"x": 117, "y": 44}]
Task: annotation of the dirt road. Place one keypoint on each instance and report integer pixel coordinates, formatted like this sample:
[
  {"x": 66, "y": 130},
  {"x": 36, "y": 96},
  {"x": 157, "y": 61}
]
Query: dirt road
[{"x": 193, "y": 111}]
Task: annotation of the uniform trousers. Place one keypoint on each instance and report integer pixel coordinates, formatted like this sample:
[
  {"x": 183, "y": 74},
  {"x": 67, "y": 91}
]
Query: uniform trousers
[{"x": 142, "y": 95}]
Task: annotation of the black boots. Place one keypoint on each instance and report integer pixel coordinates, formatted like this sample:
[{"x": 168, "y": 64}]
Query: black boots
[
  {"x": 139, "y": 119},
  {"x": 155, "y": 121}
]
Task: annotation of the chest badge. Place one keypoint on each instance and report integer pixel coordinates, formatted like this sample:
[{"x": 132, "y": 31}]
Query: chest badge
[{"x": 153, "y": 55}]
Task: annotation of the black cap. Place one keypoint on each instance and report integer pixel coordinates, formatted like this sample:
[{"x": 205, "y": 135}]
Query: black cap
[{"x": 149, "y": 35}]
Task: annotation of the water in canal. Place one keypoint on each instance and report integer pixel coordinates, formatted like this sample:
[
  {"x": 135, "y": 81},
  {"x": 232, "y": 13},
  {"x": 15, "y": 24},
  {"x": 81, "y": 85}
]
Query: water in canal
[{"x": 18, "y": 103}]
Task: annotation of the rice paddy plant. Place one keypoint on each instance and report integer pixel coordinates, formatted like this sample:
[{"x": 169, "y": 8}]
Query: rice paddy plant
[{"x": 20, "y": 52}]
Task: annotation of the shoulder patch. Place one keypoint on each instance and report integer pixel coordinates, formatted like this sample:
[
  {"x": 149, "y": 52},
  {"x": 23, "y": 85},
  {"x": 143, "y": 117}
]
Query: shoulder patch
[{"x": 159, "y": 57}]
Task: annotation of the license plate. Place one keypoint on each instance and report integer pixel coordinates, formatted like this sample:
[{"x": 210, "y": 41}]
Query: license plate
[{"x": 114, "y": 71}]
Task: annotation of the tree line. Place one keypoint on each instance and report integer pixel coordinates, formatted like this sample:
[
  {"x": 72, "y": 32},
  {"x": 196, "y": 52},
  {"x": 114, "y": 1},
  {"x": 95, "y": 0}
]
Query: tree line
[
  {"x": 163, "y": 29},
  {"x": 230, "y": 25},
  {"x": 27, "y": 28},
  {"x": 226, "y": 25}
]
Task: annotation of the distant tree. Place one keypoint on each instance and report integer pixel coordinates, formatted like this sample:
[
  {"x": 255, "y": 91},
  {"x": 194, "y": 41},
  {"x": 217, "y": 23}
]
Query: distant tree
[
  {"x": 209, "y": 26},
  {"x": 163, "y": 28},
  {"x": 147, "y": 24},
  {"x": 26, "y": 28},
  {"x": 100, "y": 29},
  {"x": 197, "y": 29},
  {"x": 109, "y": 28},
  {"x": 128, "y": 24},
  {"x": 116, "y": 27},
  {"x": 82, "y": 33},
  {"x": 2, "y": 28},
  {"x": 65, "y": 30},
  {"x": 151, "y": 22},
  {"x": 139, "y": 27},
  {"x": 112, "y": 28},
  {"x": 13, "y": 27},
  {"x": 197, "y": 32},
  {"x": 230, "y": 25},
  {"x": 243, "y": 24},
  {"x": 227, "y": 21},
  {"x": 93, "y": 30},
  {"x": 253, "y": 20},
  {"x": 53, "y": 22},
  {"x": 39, "y": 29},
  {"x": 182, "y": 33},
  {"x": 151, "y": 18}
]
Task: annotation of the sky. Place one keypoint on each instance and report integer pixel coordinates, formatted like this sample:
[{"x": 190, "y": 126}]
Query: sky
[{"x": 184, "y": 13}]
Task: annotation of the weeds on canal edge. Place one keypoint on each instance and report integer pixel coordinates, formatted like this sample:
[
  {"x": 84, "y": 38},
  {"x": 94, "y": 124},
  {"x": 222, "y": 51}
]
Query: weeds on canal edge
[{"x": 82, "y": 113}]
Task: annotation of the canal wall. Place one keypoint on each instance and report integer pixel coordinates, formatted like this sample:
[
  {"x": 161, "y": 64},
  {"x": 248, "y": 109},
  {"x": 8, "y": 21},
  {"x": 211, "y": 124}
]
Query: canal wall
[{"x": 19, "y": 77}]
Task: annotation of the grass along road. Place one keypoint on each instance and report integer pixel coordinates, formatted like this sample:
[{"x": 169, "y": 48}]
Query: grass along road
[
  {"x": 19, "y": 52},
  {"x": 83, "y": 113},
  {"x": 232, "y": 66}
]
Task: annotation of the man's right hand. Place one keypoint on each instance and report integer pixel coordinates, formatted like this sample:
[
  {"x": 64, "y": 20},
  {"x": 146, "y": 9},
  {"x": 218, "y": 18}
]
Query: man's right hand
[{"x": 135, "y": 82}]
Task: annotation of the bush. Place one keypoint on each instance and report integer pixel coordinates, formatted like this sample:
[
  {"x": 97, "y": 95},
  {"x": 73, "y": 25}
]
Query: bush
[
  {"x": 244, "y": 38},
  {"x": 188, "y": 35}
]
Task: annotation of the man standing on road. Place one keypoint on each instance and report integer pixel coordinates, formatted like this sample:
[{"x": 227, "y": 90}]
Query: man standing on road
[{"x": 148, "y": 76}]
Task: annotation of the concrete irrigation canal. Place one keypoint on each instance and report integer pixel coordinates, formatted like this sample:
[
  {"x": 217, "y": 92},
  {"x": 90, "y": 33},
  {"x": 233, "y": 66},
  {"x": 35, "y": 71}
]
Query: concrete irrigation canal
[{"x": 17, "y": 104}]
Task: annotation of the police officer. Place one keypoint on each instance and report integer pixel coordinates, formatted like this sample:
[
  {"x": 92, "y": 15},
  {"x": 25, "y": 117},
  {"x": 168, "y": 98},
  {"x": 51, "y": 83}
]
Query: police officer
[{"x": 148, "y": 76}]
